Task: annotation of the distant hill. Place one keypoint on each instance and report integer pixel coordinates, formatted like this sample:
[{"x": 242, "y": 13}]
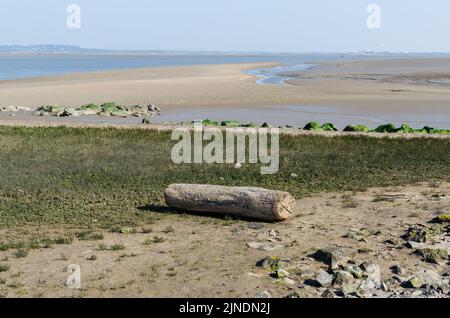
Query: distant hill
[{"x": 48, "y": 48}]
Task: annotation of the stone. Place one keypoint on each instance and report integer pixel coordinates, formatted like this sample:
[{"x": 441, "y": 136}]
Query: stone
[
  {"x": 332, "y": 256},
  {"x": 348, "y": 289},
  {"x": 273, "y": 262},
  {"x": 238, "y": 166},
  {"x": 414, "y": 282},
  {"x": 443, "y": 218},
  {"x": 294, "y": 175},
  {"x": 289, "y": 282},
  {"x": 264, "y": 294},
  {"x": 146, "y": 121},
  {"x": 414, "y": 245},
  {"x": 328, "y": 293},
  {"x": 323, "y": 279},
  {"x": 434, "y": 256},
  {"x": 355, "y": 271},
  {"x": 281, "y": 273},
  {"x": 373, "y": 272},
  {"x": 342, "y": 278},
  {"x": 430, "y": 277},
  {"x": 421, "y": 234},
  {"x": 396, "y": 269},
  {"x": 264, "y": 246}
]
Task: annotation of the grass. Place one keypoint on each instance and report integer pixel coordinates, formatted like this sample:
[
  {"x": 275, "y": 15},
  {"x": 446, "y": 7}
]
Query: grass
[
  {"x": 115, "y": 177},
  {"x": 4, "y": 267}
]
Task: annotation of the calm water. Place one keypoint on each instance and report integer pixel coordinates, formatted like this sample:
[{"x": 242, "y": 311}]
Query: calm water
[{"x": 27, "y": 66}]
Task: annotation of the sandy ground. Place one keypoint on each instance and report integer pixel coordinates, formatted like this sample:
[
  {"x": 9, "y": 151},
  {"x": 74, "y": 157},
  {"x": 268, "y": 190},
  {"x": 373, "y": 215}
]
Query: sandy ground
[{"x": 201, "y": 256}]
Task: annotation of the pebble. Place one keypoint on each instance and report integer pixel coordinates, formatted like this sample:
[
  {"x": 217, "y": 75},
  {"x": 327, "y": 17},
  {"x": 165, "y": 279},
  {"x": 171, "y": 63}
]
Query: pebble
[{"x": 264, "y": 294}]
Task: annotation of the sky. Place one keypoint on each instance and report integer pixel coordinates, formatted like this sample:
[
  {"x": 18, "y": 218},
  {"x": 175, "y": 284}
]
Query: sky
[{"x": 231, "y": 25}]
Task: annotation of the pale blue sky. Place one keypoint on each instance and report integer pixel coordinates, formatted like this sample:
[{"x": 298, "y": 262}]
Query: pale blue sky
[{"x": 231, "y": 25}]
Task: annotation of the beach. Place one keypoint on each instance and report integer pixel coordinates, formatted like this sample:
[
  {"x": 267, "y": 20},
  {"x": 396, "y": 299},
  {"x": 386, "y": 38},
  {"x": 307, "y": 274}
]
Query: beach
[{"x": 366, "y": 92}]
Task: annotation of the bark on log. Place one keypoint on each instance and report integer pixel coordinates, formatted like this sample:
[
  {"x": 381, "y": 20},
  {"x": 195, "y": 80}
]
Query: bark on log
[{"x": 255, "y": 203}]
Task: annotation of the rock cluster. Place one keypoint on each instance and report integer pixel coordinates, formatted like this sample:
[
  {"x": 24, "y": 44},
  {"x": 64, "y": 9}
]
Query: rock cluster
[{"x": 107, "y": 109}]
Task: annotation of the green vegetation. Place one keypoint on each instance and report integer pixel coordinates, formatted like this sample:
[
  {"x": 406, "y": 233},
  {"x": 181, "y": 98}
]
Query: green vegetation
[{"x": 111, "y": 178}]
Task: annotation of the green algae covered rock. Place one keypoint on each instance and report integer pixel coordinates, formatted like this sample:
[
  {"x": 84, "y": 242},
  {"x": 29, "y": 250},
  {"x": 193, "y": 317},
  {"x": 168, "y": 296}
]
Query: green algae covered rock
[
  {"x": 357, "y": 128},
  {"x": 388, "y": 128},
  {"x": 404, "y": 128},
  {"x": 231, "y": 123},
  {"x": 328, "y": 127},
  {"x": 209, "y": 122},
  {"x": 89, "y": 109},
  {"x": 53, "y": 109},
  {"x": 313, "y": 125}
]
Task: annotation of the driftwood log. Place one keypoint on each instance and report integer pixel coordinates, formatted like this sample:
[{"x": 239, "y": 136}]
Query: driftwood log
[{"x": 246, "y": 202}]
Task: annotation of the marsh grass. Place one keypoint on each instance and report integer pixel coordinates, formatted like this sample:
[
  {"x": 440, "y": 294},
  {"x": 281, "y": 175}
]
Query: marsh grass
[{"x": 116, "y": 177}]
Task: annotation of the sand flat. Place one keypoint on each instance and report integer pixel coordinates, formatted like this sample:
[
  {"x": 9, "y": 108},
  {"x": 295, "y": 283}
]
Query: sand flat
[{"x": 373, "y": 89}]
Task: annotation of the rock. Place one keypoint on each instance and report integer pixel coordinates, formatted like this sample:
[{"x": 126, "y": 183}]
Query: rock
[
  {"x": 414, "y": 245},
  {"x": 89, "y": 109},
  {"x": 355, "y": 271},
  {"x": 294, "y": 175},
  {"x": 443, "y": 218},
  {"x": 434, "y": 256},
  {"x": 280, "y": 273},
  {"x": 342, "y": 278},
  {"x": 153, "y": 108},
  {"x": 313, "y": 125},
  {"x": 303, "y": 292},
  {"x": 356, "y": 128},
  {"x": 348, "y": 289},
  {"x": 421, "y": 234},
  {"x": 323, "y": 279},
  {"x": 146, "y": 121},
  {"x": 396, "y": 269},
  {"x": 414, "y": 282},
  {"x": 332, "y": 256},
  {"x": 238, "y": 166},
  {"x": 306, "y": 274},
  {"x": 351, "y": 235},
  {"x": 264, "y": 294},
  {"x": 273, "y": 262},
  {"x": 373, "y": 272},
  {"x": 119, "y": 113},
  {"x": 231, "y": 123},
  {"x": 289, "y": 282},
  {"x": 264, "y": 246},
  {"x": 328, "y": 293},
  {"x": 272, "y": 233}
]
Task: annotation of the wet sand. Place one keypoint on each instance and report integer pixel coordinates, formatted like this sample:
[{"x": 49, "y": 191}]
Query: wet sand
[{"x": 366, "y": 92}]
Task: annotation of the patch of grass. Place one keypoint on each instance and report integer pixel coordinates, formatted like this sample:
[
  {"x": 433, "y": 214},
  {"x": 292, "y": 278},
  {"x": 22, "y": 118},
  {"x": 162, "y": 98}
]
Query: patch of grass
[
  {"x": 168, "y": 230},
  {"x": 89, "y": 235},
  {"x": 117, "y": 247},
  {"x": 22, "y": 252},
  {"x": 120, "y": 175},
  {"x": 4, "y": 267},
  {"x": 64, "y": 240}
]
